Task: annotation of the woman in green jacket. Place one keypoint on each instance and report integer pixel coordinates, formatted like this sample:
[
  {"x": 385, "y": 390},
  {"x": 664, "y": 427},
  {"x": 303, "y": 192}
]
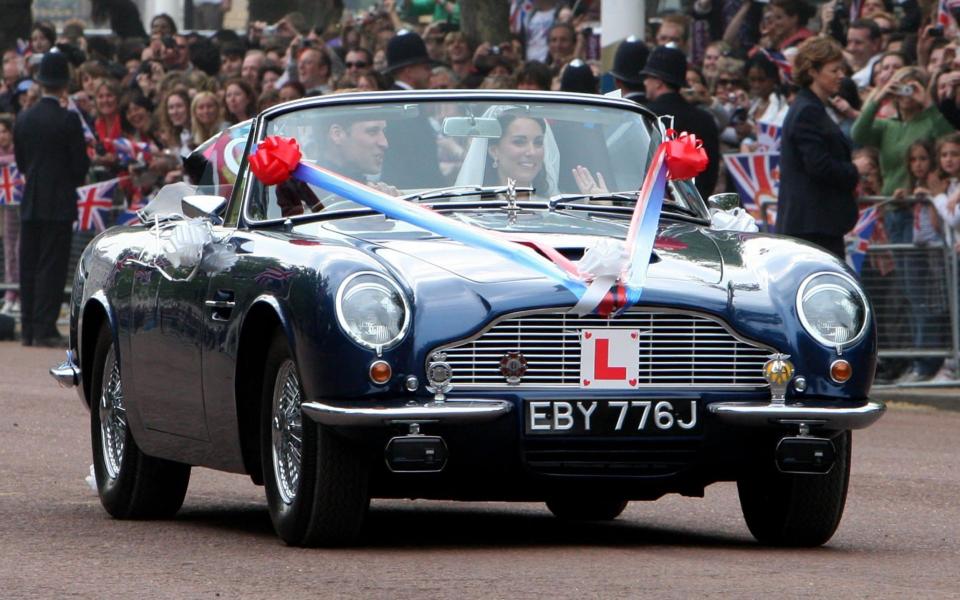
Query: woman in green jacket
[{"x": 918, "y": 120}]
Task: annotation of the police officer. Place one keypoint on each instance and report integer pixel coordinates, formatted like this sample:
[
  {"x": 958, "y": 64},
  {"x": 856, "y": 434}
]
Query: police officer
[
  {"x": 630, "y": 59},
  {"x": 664, "y": 75},
  {"x": 50, "y": 151}
]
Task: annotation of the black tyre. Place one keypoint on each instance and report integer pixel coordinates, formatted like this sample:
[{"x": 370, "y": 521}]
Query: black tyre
[
  {"x": 131, "y": 484},
  {"x": 586, "y": 509},
  {"x": 316, "y": 482},
  {"x": 797, "y": 510}
]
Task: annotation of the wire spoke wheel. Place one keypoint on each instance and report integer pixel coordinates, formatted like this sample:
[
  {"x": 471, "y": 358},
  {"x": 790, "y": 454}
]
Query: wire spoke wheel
[
  {"x": 287, "y": 431},
  {"x": 113, "y": 419}
]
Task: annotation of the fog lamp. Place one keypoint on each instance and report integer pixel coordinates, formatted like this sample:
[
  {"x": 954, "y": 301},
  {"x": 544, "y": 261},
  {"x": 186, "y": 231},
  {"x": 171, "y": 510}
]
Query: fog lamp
[
  {"x": 380, "y": 371},
  {"x": 841, "y": 371}
]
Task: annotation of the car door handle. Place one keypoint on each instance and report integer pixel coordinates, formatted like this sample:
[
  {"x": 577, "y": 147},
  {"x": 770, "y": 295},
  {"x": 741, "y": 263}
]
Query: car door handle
[
  {"x": 220, "y": 303},
  {"x": 221, "y": 306}
]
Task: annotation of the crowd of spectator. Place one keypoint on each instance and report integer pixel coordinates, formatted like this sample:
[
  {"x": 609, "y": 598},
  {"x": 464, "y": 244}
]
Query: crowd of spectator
[{"x": 172, "y": 89}]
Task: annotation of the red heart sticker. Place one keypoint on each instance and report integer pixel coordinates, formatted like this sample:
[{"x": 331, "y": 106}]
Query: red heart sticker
[
  {"x": 632, "y": 382},
  {"x": 587, "y": 335},
  {"x": 634, "y": 335},
  {"x": 586, "y": 382}
]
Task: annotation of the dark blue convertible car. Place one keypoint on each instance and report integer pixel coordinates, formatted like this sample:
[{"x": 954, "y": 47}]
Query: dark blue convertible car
[{"x": 449, "y": 342}]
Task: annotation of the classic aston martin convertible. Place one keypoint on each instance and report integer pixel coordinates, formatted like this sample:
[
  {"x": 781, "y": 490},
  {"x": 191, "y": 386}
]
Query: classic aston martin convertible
[{"x": 471, "y": 296}]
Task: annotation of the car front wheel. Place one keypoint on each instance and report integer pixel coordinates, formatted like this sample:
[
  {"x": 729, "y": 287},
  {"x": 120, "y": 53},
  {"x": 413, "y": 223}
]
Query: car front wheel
[
  {"x": 316, "y": 482},
  {"x": 785, "y": 509},
  {"x": 131, "y": 484}
]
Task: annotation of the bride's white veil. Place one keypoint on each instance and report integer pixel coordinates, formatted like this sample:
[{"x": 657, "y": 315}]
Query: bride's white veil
[{"x": 475, "y": 160}]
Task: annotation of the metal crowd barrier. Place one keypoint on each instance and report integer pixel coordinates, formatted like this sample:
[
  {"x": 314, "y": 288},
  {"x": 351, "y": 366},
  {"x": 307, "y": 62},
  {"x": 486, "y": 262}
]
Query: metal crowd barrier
[{"x": 912, "y": 286}]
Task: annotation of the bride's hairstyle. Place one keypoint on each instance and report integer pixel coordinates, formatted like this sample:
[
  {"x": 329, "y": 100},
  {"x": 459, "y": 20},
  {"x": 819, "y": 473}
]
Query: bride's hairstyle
[{"x": 506, "y": 119}]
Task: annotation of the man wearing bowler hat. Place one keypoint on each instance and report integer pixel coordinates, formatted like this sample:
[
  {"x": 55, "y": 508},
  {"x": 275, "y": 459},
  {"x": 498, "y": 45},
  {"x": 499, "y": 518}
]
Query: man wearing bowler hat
[
  {"x": 411, "y": 158},
  {"x": 49, "y": 147},
  {"x": 630, "y": 59},
  {"x": 664, "y": 75}
]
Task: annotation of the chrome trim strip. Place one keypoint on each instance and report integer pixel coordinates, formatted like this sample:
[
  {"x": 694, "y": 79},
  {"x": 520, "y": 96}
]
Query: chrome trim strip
[
  {"x": 711, "y": 371},
  {"x": 219, "y": 303},
  {"x": 831, "y": 417},
  {"x": 450, "y": 411},
  {"x": 67, "y": 373}
]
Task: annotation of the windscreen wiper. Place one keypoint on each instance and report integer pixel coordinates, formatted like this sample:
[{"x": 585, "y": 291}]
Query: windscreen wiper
[
  {"x": 459, "y": 191},
  {"x": 568, "y": 199}
]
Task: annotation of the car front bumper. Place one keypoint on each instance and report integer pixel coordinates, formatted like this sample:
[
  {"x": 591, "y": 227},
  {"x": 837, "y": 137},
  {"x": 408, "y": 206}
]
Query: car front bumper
[
  {"x": 825, "y": 414},
  {"x": 448, "y": 412},
  {"x": 835, "y": 415}
]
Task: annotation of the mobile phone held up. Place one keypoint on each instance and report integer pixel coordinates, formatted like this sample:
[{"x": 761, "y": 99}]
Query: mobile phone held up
[{"x": 902, "y": 90}]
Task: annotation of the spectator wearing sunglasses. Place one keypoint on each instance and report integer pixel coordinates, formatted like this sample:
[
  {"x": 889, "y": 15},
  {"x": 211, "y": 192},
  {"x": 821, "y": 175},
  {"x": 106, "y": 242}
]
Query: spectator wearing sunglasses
[{"x": 357, "y": 61}]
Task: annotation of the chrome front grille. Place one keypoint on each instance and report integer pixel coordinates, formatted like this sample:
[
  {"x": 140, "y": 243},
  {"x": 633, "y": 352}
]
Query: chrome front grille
[{"x": 677, "y": 349}]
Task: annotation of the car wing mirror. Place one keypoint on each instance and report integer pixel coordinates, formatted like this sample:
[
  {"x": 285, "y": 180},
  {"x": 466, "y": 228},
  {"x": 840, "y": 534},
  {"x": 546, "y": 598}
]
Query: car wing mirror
[
  {"x": 480, "y": 127},
  {"x": 203, "y": 206},
  {"x": 727, "y": 201}
]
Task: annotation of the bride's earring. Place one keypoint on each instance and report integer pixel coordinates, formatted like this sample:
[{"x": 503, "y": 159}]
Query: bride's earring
[{"x": 496, "y": 163}]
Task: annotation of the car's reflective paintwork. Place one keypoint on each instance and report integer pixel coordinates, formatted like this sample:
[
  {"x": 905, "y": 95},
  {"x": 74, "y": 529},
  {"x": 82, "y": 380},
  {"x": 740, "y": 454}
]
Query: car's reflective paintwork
[{"x": 191, "y": 376}]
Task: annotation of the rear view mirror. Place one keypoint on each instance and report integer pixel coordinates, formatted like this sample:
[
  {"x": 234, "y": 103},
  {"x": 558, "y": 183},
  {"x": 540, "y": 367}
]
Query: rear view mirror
[{"x": 481, "y": 127}]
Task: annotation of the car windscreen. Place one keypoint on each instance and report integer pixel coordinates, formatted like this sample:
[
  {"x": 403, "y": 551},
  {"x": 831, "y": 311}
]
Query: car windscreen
[{"x": 406, "y": 147}]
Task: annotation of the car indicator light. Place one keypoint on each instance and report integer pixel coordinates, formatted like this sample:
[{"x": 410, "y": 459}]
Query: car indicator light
[
  {"x": 841, "y": 371},
  {"x": 380, "y": 372}
]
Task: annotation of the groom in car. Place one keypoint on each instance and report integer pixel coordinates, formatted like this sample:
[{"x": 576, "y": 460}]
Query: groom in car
[{"x": 351, "y": 148}]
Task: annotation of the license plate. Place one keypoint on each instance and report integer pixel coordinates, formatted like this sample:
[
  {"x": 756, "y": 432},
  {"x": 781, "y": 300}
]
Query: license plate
[{"x": 611, "y": 417}]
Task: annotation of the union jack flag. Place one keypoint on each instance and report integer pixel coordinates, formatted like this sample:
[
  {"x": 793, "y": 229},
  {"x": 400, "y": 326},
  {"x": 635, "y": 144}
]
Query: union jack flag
[
  {"x": 947, "y": 11},
  {"x": 858, "y": 240},
  {"x": 23, "y": 47},
  {"x": 87, "y": 132},
  {"x": 93, "y": 202},
  {"x": 520, "y": 11},
  {"x": 768, "y": 136},
  {"x": 11, "y": 185},
  {"x": 129, "y": 151},
  {"x": 757, "y": 177},
  {"x": 783, "y": 64},
  {"x": 224, "y": 151}
]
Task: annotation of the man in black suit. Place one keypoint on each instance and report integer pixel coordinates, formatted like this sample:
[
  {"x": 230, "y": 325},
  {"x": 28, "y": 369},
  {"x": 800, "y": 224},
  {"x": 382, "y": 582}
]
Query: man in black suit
[
  {"x": 665, "y": 74},
  {"x": 50, "y": 150},
  {"x": 411, "y": 160}
]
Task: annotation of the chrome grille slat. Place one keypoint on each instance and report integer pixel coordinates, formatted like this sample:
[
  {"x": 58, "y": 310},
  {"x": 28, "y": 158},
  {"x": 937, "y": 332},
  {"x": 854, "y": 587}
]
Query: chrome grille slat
[{"x": 677, "y": 349}]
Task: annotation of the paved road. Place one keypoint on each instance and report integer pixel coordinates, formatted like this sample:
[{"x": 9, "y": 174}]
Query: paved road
[{"x": 900, "y": 536}]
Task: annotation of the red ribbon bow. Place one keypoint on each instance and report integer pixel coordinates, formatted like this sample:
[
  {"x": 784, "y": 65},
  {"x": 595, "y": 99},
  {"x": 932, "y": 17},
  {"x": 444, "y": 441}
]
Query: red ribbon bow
[
  {"x": 275, "y": 159},
  {"x": 686, "y": 157}
]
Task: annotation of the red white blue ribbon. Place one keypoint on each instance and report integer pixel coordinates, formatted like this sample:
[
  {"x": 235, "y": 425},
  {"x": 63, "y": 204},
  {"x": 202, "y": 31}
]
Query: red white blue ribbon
[{"x": 609, "y": 293}]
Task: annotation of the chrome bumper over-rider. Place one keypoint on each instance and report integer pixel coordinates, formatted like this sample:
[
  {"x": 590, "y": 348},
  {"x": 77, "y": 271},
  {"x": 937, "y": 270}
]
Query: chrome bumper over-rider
[{"x": 67, "y": 373}]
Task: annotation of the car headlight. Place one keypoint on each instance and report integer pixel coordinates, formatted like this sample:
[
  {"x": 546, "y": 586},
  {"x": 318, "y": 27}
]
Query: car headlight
[
  {"x": 372, "y": 310},
  {"x": 833, "y": 309}
]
